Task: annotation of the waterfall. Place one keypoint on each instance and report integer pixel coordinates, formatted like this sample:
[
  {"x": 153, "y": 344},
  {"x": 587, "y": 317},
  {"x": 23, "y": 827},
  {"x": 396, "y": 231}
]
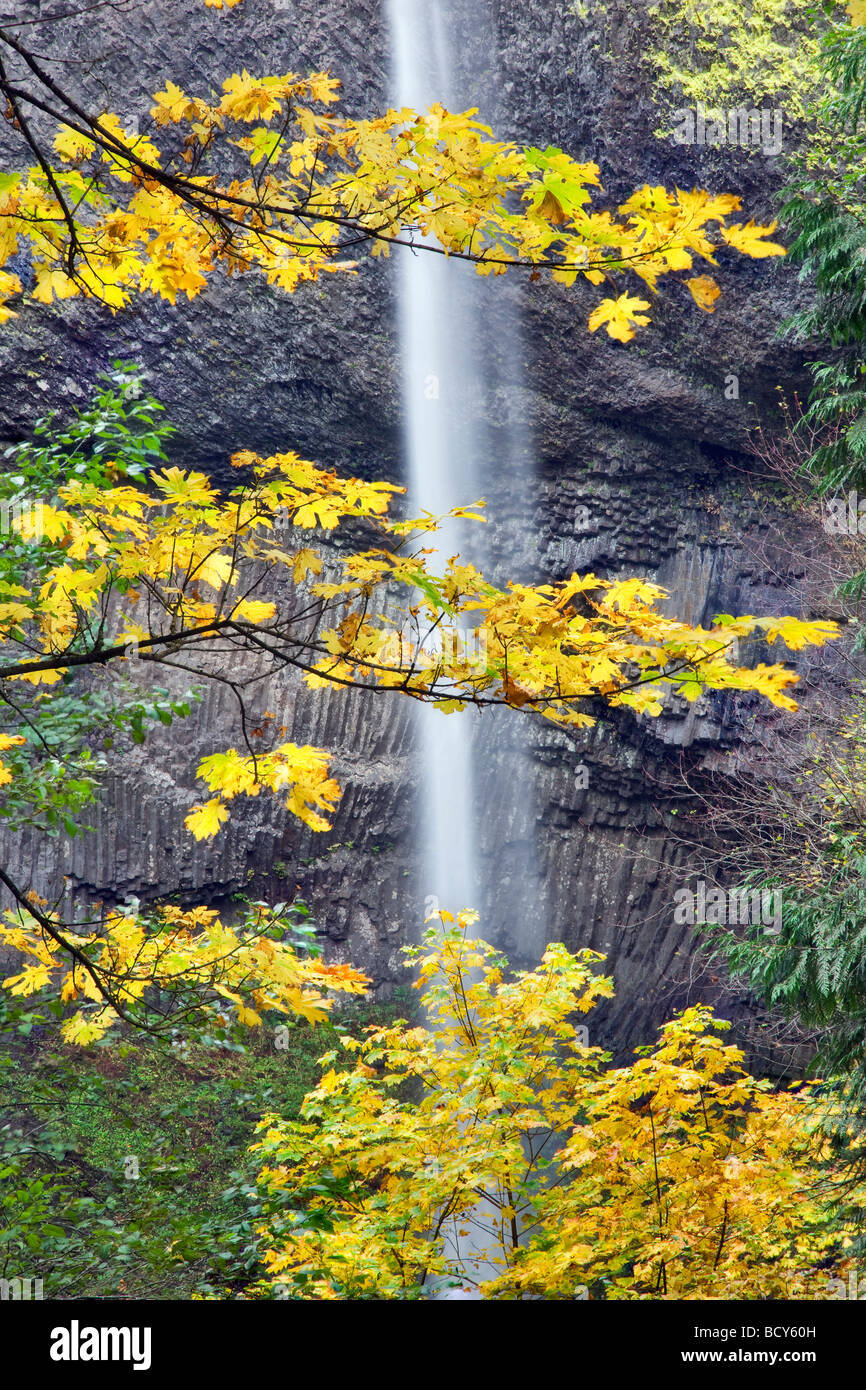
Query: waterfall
[
  {"x": 460, "y": 349},
  {"x": 459, "y": 341},
  {"x": 436, "y": 332}
]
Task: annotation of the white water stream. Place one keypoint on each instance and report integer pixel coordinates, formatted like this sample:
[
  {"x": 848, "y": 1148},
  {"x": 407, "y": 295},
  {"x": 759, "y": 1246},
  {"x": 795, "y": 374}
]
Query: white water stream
[
  {"x": 450, "y": 344},
  {"x": 436, "y": 339}
]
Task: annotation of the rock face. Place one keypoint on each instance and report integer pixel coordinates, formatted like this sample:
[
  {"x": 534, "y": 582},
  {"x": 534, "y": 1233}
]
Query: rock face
[{"x": 635, "y": 462}]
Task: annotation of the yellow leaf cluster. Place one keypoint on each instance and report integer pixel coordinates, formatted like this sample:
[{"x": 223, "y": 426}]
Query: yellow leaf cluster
[
  {"x": 212, "y": 565},
  {"x": 190, "y": 951},
  {"x": 319, "y": 183},
  {"x": 300, "y": 771},
  {"x": 681, "y": 1176}
]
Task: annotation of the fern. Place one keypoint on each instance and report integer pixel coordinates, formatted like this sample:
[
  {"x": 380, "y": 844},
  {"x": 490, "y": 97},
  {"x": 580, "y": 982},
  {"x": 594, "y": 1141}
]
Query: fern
[
  {"x": 814, "y": 971},
  {"x": 824, "y": 208}
]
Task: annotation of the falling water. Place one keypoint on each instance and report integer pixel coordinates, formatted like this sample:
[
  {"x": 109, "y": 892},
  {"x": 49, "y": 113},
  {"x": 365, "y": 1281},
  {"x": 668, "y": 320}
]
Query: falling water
[
  {"x": 459, "y": 339},
  {"x": 436, "y": 332},
  {"x": 455, "y": 339}
]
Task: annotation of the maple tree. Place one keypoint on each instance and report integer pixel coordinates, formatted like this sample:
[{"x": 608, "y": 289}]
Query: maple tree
[
  {"x": 524, "y": 1164},
  {"x": 166, "y": 570},
  {"x": 265, "y": 178}
]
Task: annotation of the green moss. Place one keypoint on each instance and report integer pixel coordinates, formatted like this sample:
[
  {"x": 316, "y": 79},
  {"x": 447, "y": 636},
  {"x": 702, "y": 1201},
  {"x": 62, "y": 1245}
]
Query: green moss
[
  {"x": 723, "y": 53},
  {"x": 187, "y": 1223}
]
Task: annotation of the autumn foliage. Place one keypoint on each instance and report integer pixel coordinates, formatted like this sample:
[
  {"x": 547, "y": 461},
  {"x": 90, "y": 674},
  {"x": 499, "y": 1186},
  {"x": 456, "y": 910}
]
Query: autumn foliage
[
  {"x": 180, "y": 567},
  {"x": 495, "y": 1149},
  {"x": 264, "y": 178},
  {"x": 177, "y": 571}
]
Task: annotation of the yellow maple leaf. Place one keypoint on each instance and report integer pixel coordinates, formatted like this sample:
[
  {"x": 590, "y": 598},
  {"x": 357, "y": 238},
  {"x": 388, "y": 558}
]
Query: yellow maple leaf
[
  {"x": 71, "y": 145},
  {"x": 250, "y": 98},
  {"x": 229, "y": 774},
  {"x": 42, "y": 677},
  {"x": 53, "y": 284},
  {"x": 748, "y": 238},
  {"x": 319, "y": 512},
  {"x": 797, "y": 633},
  {"x": 618, "y": 315},
  {"x": 55, "y": 524},
  {"x": 84, "y": 1028},
  {"x": 167, "y": 278},
  {"x": 205, "y": 821},
  {"x": 704, "y": 291},
  {"x": 701, "y": 206},
  {"x": 69, "y": 988},
  {"x": 31, "y": 978},
  {"x": 172, "y": 105},
  {"x": 254, "y": 610},
  {"x": 323, "y": 87},
  {"x": 309, "y": 1006},
  {"x": 215, "y": 570},
  {"x": 624, "y": 594},
  {"x": 9, "y": 285},
  {"x": 857, "y": 12},
  {"x": 305, "y": 561}
]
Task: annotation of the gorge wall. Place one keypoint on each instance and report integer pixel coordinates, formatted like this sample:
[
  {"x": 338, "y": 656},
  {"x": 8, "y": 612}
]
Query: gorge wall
[{"x": 639, "y": 464}]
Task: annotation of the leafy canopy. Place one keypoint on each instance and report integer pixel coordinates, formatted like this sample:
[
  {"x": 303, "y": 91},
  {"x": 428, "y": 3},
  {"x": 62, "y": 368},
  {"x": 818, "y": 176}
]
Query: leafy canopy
[
  {"x": 200, "y": 964},
  {"x": 498, "y": 1126},
  {"x": 181, "y": 569},
  {"x": 126, "y": 569},
  {"x": 265, "y": 178}
]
